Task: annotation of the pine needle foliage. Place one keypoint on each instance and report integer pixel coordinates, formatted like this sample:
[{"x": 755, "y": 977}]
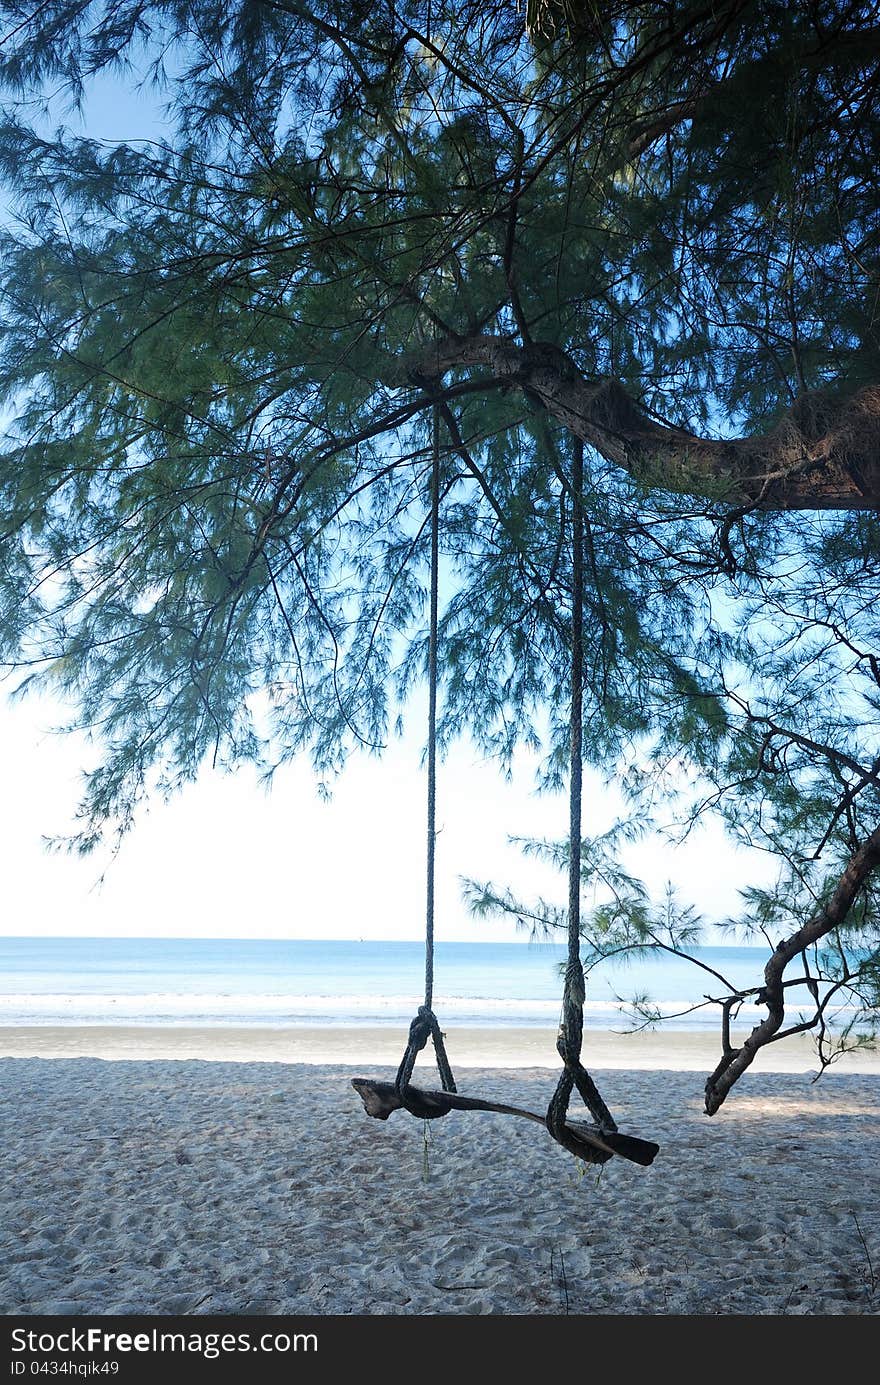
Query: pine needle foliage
[{"x": 653, "y": 226}]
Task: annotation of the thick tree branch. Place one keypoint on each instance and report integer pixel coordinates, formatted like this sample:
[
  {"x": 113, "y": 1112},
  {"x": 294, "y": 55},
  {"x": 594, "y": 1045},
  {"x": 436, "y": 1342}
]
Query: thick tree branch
[
  {"x": 824, "y": 454},
  {"x": 735, "y": 1061}
]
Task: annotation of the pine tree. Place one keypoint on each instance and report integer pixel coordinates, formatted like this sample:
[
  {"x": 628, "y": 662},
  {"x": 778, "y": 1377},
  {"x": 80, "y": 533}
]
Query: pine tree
[{"x": 654, "y": 228}]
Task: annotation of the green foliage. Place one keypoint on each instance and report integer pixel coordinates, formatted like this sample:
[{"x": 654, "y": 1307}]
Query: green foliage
[{"x": 219, "y": 360}]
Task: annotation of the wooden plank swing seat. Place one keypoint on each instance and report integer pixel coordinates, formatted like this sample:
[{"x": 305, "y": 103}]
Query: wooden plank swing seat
[
  {"x": 593, "y": 1143},
  {"x": 381, "y": 1099}
]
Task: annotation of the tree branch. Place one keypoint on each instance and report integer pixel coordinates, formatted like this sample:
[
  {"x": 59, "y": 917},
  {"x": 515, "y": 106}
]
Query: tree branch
[
  {"x": 736, "y": 1060},
  {"x": 824, "y": 454}
]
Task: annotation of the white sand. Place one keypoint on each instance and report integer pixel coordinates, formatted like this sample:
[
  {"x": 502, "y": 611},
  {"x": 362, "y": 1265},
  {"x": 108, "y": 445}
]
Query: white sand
[{"x": 166, "y": 1186}]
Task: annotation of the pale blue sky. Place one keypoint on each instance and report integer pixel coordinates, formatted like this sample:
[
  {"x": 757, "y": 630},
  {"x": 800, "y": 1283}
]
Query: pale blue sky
[{"x": 226, "y": 859}]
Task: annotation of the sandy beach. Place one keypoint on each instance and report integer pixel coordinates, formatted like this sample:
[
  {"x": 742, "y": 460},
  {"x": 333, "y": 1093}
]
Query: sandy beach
[
  {"x": 481, "y": 1046},
  {"x": 234, "y": 1171}
]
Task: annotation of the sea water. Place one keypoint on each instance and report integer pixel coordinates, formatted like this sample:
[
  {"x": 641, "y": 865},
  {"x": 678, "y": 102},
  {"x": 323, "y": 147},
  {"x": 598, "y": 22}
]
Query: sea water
[{"x": 204, "y": 981}]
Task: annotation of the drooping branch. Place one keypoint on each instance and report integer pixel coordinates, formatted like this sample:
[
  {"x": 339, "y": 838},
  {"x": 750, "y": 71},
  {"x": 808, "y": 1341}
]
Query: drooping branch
[
  {"x": 842, "y": 50},
  {"x": 735, "y": 1061},
  {"x": 824, "y": 454}
]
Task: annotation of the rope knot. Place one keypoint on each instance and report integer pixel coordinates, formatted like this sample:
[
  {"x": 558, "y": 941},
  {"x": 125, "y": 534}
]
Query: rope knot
[
  {"x": 568, "y": 1049},
  {"x": 420, "y": 1029}
]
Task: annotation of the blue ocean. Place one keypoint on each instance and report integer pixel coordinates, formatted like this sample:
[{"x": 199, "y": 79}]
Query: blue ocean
[{"x": 188, "y": 981}]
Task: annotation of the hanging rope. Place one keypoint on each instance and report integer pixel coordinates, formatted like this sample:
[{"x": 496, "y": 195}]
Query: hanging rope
[
  {"x": 425, "y": 1024},
  {"x": 593, "y": 1144},
  {"x": 570, "y": 1037}
]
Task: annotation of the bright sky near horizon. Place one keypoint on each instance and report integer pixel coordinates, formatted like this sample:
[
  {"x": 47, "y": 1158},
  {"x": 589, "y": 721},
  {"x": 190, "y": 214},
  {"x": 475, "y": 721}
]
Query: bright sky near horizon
[{"x": 227, "y": 859}]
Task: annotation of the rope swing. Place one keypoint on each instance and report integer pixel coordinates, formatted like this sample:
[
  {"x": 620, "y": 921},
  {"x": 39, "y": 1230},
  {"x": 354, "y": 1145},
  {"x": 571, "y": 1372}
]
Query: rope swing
[
  {"x": 594, "y": 1143},
  {"x": 571, "y": 1028},
  {"x": 425, "y": 1024}
]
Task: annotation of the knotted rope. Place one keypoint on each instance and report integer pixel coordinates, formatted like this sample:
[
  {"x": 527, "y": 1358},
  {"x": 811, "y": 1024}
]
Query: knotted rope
[
  {"x": 425, "y": 1024},
  {"x": 571, "y": 1025}
]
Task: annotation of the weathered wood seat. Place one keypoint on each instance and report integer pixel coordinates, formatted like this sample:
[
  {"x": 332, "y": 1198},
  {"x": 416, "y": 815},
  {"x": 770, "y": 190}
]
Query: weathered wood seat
[{"x": 381, "y": 1099}]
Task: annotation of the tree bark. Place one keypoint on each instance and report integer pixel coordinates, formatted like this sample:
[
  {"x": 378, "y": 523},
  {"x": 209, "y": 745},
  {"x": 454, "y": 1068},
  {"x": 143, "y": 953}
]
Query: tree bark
[
  {"x": 588, "y": 1142},
  {"x": 735, "y": 1061},
  {"x": 824, "y": 454}
]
